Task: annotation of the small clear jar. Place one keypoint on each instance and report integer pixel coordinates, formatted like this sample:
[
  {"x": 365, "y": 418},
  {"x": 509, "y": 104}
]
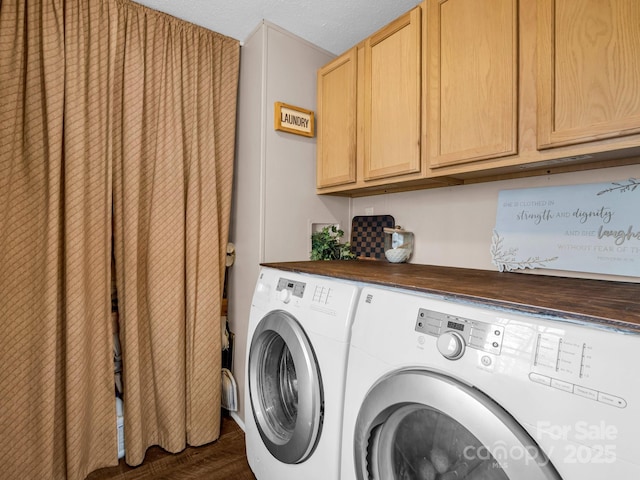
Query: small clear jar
[{"x": 398, "y": 244}]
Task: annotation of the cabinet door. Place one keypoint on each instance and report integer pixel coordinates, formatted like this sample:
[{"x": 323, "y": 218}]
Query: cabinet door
[
  {"x": 336, "y": 146},
  {"x": 392, "y": 99},
  {"x": 471, "y": 57},
  {"x": 588, "y": 70}
]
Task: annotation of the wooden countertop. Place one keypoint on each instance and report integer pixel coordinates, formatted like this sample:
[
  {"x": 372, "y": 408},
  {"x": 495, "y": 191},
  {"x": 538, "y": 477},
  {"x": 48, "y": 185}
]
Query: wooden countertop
[{"x": 605, "y": 303}]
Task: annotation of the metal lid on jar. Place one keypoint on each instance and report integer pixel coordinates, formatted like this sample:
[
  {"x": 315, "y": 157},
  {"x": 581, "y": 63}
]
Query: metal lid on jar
[{"x": 396, "y": 229}]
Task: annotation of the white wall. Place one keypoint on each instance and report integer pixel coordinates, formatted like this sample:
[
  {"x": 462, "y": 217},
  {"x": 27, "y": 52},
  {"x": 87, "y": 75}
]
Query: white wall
[
  {"x": 292, "y": 204},
  {"x": 453, "y": 226},
  {"x": 274, "y": 199}
]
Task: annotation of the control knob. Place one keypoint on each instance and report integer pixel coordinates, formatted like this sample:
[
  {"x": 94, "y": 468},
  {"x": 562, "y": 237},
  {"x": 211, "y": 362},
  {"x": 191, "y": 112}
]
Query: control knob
[
  {"x": 451, "y": 345},
  {"x": 285, "y": 295}
]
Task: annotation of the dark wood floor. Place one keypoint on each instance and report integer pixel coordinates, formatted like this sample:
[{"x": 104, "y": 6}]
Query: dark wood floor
[{"x": 222, "y": 459}]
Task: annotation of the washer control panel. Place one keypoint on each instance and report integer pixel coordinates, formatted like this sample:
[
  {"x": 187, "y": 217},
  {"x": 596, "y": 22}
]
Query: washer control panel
[
  {"x": 286, "y": 285},
  {"x": 569, "y": 364},
  {"x": 479, "y": 335}
]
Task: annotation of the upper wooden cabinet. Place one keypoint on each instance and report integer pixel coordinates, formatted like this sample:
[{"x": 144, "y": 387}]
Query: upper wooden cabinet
[
  {"x": 471, "y": 60},
  {"x": 530, "y": 87},
  {"x": 463, "y": 91},
  {"x": 392, "y": 87},
  {"x": 370, "y": 113},
  {"x": 336, "y": 125},
  {"x": 588, "y": 70}
]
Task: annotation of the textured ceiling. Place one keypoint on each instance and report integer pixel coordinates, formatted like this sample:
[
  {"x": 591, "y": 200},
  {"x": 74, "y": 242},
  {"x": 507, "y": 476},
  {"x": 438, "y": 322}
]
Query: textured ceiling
[{"x": 334, "y": 25}]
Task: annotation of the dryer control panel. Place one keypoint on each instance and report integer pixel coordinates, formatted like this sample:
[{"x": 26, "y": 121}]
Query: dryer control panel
[{"x": 479, "y": 335}]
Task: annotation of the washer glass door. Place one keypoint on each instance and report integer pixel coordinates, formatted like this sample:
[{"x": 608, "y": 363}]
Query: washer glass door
[
  {"x": 285, "y": 388},
  {"x": 419, "y": 425},
  {"x": 420, "y": 443}
]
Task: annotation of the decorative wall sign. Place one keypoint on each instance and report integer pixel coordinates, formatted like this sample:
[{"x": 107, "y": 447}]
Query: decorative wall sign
[
  {"x": 583, "y": 228},
  {"x": 288, "y": 118}
]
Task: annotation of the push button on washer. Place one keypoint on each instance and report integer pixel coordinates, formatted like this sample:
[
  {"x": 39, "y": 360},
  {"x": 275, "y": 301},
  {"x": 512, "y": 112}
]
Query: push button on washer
[
  {"x": 611, "y": 400},
  {"x": 560, "y": 385},
  {"x": 585, "y": 392},
  {"x": 541, "y": 379}
]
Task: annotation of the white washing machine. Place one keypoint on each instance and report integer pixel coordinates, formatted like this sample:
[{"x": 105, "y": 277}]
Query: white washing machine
[
  {"x": 444, "y": 390},
  {"x": 298, "y": 342}
]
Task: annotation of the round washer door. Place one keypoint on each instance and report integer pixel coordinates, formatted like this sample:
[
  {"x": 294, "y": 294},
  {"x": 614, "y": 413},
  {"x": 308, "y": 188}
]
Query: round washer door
[
  {"x": 417, "y": 424},
  {"x": 285, "y": 388}
]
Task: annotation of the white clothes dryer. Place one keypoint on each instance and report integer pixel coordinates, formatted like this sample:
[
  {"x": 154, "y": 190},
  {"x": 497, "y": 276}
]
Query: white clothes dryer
[
  {"x": 298, "y": 342},
  {"x": 439, "y": 389}
]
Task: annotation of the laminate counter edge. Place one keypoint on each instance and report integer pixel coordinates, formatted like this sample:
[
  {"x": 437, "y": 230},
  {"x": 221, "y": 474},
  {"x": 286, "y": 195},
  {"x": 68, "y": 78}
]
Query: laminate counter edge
[{"x": 598, "y": 303}]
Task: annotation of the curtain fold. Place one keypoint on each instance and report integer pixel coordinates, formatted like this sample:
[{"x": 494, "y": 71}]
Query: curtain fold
[
  {"x": 56, "y": 382},
  {"x": 87, "y": 143},
  {"x": 31, "y": 62},
  {"x": 172, "y": 187},
  {"x": 107, "y": 106}
]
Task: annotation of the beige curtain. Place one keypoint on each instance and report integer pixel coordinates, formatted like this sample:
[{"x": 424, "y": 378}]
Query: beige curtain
[
  {"x": 105, "y": 104},
  {"x": 172, "y": 187},
  {"x": 56, "y": 360}
]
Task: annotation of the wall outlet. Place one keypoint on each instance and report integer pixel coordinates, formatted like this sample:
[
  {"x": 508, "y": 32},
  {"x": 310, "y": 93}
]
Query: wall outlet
[{"x": 368, "y": 211}]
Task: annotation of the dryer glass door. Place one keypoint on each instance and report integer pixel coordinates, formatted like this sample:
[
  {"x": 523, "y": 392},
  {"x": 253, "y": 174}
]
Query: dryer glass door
[
  {"x": 419, "y": 425},
  {"x": 285, "y": 388}
]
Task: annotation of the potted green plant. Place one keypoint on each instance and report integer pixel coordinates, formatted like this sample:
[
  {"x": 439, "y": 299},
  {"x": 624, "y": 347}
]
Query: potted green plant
[{"x": 325, "y": 245}]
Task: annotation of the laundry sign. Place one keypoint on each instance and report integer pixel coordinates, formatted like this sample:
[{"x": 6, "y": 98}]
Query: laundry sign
[
  {"x": 583, "y": 228},
  {"x": 288, "y": 118}
]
